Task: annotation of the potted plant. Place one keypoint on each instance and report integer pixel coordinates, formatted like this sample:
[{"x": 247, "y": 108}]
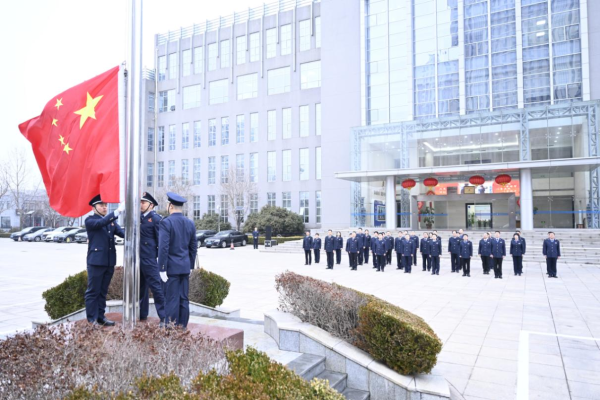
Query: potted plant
[
  {"x": 428, "y": 218},
  {"x": 479, "y": 223}
]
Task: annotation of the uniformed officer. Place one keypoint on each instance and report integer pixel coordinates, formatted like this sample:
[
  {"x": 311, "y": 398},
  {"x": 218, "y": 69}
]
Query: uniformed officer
[
  {"x": 352, "y": 246},
  {"x": 415, "y": 246},
  {"x": 517, "y": 250},
  {"x": 551, "y": 251},
  {"x": 399, "y": 249},
  {"x": 518, "y": 231},
  {"x": 454, "y": 250},
  {"x": 101, "y": 258},
  {"x": 389, "y": 246},
  {"x": 466, "y": 252},
  {"x": 407, "y": 253},
  {"x": 360, "y": 236},
  {"x": 255, "y": 236},
  {"x": 497, "y": 255},
  {"x": 367, "y": 247},
  {"x": 339, "y": 245},
  {"x": 317, "y": 248},
  {"x": 374, "y": 240},
  {"x": 485, "y": 250},
  {"x": 424, "y": 246},
  {"x": 329, "y": 248},
  {"x": 149, "y": 273},
  {"x": 307, "y": 245},
  {"x": 461, "y": 233},
  {"x": 435, "y": 250},
  {"x": 176, "y": 257},
  {"x": 380, "y": 253}
]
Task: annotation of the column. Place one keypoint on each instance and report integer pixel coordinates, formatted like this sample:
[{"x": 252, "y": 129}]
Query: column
[
  {"x": 390, "y": 202},
  {"x": 526, "y": 200}
]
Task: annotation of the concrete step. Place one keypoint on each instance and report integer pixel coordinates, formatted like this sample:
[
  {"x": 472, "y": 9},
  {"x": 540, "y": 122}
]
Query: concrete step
[
  {"x": 355, "y": 394},
  {"x": 336, "y": 380},
  {"x": 307, "y": 366}
]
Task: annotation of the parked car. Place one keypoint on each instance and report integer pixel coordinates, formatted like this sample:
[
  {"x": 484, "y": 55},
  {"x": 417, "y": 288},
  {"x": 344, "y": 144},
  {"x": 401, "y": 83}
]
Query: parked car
[
  {"x": 225, "y": 238},
  {"x": 202, "y": 235},
  {"x": 36, "y": 236},
  {"x": 81, "y": 237},
  {"x": 19, "y": 235},
  {"x": 49, "y": 236},
  {"x": 68, "y": 236},
  {"x": 119, "y": 240}
]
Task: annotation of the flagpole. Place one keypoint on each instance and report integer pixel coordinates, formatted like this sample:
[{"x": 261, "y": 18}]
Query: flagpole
[{"x": 131, "y": 268}]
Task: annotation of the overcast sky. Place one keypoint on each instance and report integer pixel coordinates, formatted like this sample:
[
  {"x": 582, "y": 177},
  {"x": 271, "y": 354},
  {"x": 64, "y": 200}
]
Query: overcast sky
[{"x": 51, "y": 45}]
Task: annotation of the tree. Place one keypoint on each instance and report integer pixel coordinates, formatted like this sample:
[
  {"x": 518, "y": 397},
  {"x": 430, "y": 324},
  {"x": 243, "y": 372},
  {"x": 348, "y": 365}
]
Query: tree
[
  {"x": 52, "y": 218},
  {"x": 211, "y": 222},
  {"x": 4, "y": 193},
  {"x": 282, "y": 221},
  {"x": 238, "y": 189},
  {"x": 21, "y": 190},
  {"x": 176, "y": 185}
]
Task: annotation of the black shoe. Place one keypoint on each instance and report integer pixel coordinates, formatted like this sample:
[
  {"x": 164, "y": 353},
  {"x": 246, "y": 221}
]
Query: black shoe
[
  {"x": 500, "y": 278},
  {"x": 437, "y": 273},
  {"x": 377, "y": 270},
  {"x": 469, "y": 275},
  {"x": 143, "y": 318},
  {"x": 464, "y": 274},
  {"x": 433, "y": 273},
  {"x": 105, "y": 322},
  {"x": 495, "y": 277}
]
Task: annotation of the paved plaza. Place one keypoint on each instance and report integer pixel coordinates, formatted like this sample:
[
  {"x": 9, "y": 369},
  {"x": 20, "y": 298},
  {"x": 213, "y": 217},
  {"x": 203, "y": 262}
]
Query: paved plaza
[{"x": 528, "y": 334}]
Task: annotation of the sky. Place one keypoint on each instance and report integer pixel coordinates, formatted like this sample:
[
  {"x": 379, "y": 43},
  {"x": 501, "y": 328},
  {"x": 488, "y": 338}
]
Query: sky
[{"x": 49, "y": 46}]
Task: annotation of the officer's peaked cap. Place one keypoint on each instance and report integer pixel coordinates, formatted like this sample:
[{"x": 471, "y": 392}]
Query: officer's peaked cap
[
  {"x": 148, "y": 197},
  {"x": 175, "y": 199},
  {"x": 95, "y": 200}
]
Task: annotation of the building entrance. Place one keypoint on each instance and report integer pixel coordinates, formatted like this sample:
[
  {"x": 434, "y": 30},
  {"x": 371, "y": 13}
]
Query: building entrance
[{"x": 479, "y": 216}]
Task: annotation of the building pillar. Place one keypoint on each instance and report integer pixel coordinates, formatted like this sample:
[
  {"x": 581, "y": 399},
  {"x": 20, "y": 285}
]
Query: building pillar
[
  {"x": 526, "y": 200},
  {"x": 390, "y": 202}
]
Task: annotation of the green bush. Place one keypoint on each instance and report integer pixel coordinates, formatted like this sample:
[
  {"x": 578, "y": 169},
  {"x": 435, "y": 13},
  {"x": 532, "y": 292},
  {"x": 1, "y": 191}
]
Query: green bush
[
  {"x": 5, "y": 235},
  {"x": 282, "y": 221},
  {"x": 211, "y": 222},
  {"x": 208, "y": 288},
  {"x": 280, "y": 240},
  {"x": 67, "y": 297},
  {"x": 115, "y": 289}
]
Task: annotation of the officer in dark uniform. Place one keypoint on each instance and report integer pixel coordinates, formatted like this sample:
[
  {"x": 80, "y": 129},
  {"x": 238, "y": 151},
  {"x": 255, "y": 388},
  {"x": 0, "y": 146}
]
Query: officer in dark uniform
[
  {"x": 101, "y": 258},
  {"x": 307, "y": 245},
  {"x": 518, "y": 232},
  {"x": 366, "y": 247},
  {"x": 466, "y": 252},
  {"x": 424, "y": 246},
  {"x": 389, "y": 246},
  {"x": 454, "y": 250},
  {"x": 352, "y": 247},
  {"x": 329, "y": 248},
  {"x": 435, "y": 250},
  {"x": 399, "y": 249},
  {"x": 415, "y": 245},
  {"x": 255, "y": 236},
  {"x": 374, "y": 240},
  {"x": 407, "y": 253},
  {"x": 176, "y": 257},
  {"x": 484, "y": 251},
  {"x": 497, "y": 255},
  {"x": 317, "y": 248},
  {"x": 149, "y": 273},
  {"x": 380, "y": 252},
  {"x": 360, "y": 236},
  {"x": 517, "y": 250},
  {"x": 551, "y": 251},
  {"x": 339, "y": 245},
  {"x": 461, "y": 234}
]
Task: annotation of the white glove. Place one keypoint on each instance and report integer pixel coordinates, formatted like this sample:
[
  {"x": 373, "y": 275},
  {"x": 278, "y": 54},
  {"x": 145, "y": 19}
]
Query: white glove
[
  {"x": 163, "y": 276},
  {"x": 119, "y": 209}
]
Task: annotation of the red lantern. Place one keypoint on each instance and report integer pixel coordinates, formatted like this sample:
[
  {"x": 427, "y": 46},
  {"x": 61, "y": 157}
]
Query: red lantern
[
  {"x": 431, "y": 193},
  {"x": 477, "y": 180},
  {"x": 408, "y": 184},
  {"x": 503, "y": 179},
  {"x": 430, "y": 183}
]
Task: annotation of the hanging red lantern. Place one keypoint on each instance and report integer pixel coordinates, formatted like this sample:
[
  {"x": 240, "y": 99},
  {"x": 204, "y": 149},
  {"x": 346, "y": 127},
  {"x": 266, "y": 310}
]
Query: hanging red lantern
[
  {"x": 431, "y": 193},
  {"x": 409, "y": 184},
  {"x": 477, "y": 180},
  {"x": 430, "y": 183},
  {"x": 503, "y": 179}
]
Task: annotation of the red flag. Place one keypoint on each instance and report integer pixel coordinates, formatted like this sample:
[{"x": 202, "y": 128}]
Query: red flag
[{"x": 76, "y": 144}]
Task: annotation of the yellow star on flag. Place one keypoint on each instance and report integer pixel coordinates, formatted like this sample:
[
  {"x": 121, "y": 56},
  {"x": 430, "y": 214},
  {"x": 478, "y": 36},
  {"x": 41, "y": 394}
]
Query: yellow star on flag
[
  {"x": 89, "y": 110},
  {"x": 67, "y": 148},
  {"x": 54, "y": 122},
  {"x": 61, "y": 140},
  {"x": 58, "y": 103}
]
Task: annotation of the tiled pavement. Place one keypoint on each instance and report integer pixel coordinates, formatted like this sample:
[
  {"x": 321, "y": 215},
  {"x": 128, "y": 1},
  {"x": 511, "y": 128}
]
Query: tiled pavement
[{"x": 480, "y": 319}]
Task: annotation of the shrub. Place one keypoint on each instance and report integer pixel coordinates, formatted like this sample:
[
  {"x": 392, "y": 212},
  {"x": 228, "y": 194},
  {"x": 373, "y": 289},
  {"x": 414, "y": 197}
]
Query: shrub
[
  {"x": 208, "y": 288},
  {"x": 280, "y": 240},
  {"x": 282, "y": 221},
  {"x": 211, "y": 222},
  {"x": 67, "y": 297},
  {"x": 115, "y": 289},
  {"x": 401, "y": 340}
]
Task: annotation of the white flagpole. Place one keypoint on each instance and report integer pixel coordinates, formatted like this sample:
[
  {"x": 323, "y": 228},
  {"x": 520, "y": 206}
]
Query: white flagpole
[{"x": 131, "y": 268}]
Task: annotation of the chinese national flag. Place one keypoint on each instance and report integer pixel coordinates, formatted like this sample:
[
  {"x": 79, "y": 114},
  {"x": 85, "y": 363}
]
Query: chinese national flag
[{"x": 76, "y": 144}]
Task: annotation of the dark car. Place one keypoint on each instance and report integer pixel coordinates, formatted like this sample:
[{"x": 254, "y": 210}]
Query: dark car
[
  {"x": 225, "y": 238},
  {"x": 69, "y": 236},
  {"x": 19, "y": 235},
  {"x": 202, "y": 235},
  {"x": 36, "y": 236},
  {"x": 81, "y": 237}
]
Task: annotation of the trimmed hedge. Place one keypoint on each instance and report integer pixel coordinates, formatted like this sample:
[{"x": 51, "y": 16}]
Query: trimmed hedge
[
  {"x": 399, "y": 339},
  {"x": 280, "y": 240},
  {"x": 208, "y": 288},
  {"x": 67, "y": 297},
  {"x": 4, "y": 235}
]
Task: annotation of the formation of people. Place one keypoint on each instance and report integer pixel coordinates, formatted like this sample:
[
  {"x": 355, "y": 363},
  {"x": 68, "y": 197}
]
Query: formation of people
[
  {"x": 491, "y": 249},
  {"x": 167, "y": 251}
]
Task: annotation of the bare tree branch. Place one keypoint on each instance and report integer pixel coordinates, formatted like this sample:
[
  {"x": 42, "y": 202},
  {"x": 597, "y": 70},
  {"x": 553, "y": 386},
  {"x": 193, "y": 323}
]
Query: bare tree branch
[
  {"x": 238, "y": 189},
  {"x": 22, "y": 193}
]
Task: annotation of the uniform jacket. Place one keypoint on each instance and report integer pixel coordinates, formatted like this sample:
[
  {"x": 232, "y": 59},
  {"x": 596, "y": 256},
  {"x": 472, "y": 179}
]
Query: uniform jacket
[
  {"x": 485, "y": 247},
  {"x": 367, "y": 244},
  {"x": 101, "y": 239},
  {"x": 307, "y": 242},
  {"x": 415, "y": 243},
  {"x": 149, "y": 227},
  {"x": 329, "y": 243},
  {"x": 435, "y": 248},
  {"x": 374, "y": 241},
  {"x": 517, "y": 247},
  {"x": 317, "y": 244},
  {"x": 424, "y": 246},
  {"x": 498, "y": 247},
  {"x": 466, "y": 249},
  {"x": 408, "y": 248},
  {"x": 255, "y": 235},
  {"x": 551, "y": 249},
  {"x": 399, "y": 244},
  {"x": 360, "y": 237},
  {"x": 525, "y": 244},
  {"x": 339, "y": 242},
  {"x": 454, "y": 245},
  {"x": 389, "y": 242},
  {"x": 380, "y": 247},
  {"x": 177, "y": 246},
  {"x": 352, "y": 245}
]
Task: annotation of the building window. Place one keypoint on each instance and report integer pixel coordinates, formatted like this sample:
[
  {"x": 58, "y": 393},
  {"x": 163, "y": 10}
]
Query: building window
[
  {"x": 271, "y": 42},
  {"x": 150, "y": 139},
  {"x": 198, "y": 60},
  {"x": 305, "y": 35},
  {"x": 197, "y": 134},
  {"x": 271, "y": 125},
  {"x": 286, "y": 123},
  {"x": 254, "y": 47},
  {"x": 173, "y": 67},
  {"x": 224, "y": 208},
  {"x": 304, "y": 164},
  {"x": 166, "y": 101},
  {"x": 151, "y": 98},
  {"x": 172, "y": 176},
  {"x": 254, "y": 167},
  {"x": 304, "y": 121},
  {"x": 150, "y": 174},
  {"x": 318, "y": 206},
  {"x": 318, "y": 163},
  {"x": 161, "y": 138},
  {"x": 211, "y": 204},
  {"x": 247, "y": 86},
  {"x": 212, "y": 56},
  {"x": 162, "y": 68},
  {"x": 286, "y": 200},
  {"x": 317, "y": 32},
  {"x": 239, "y": 129},
  {"x": 224, "y": 131},
  {"x": 254, "y": 127},
  {"x": 239, "y": 167},
  {"x": 212, "y": 169},
  {"x": 224, "y": 54},
  {"x": 224, "y": 169},
  {"x": 286, "y": 167},
  {"x": 304, "y": 212},
  {"x": 186, "y": 60},
  {"x": 272, "y": 199},
  {"x": 279, "y": 80},
  {"x": 197, "y": 171},
  {"x": 286, "y": 39},
  {"x": 196, "y": 211},
  {"x": 310, "y": 75},
  {"x": 191, "y": 96},
  {"x": 318, "y": 119},
  {"x": 212, "y": 132},
  {"x": 218, "y": 92},
  {"x": 240, "y": 50},
  {"x": 185, "y": 171},
  {"x": 271, "y": 166},
  {"x": 253, "y": 203},
  {"x": 161, "y": 173},
  {"x": 185, "y": 136},
  {"x": 172, "y": 137}
]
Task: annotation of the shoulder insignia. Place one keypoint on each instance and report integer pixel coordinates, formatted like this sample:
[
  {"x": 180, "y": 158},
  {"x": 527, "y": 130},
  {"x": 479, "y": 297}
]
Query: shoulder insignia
[{"x": 150, "y": 220}]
